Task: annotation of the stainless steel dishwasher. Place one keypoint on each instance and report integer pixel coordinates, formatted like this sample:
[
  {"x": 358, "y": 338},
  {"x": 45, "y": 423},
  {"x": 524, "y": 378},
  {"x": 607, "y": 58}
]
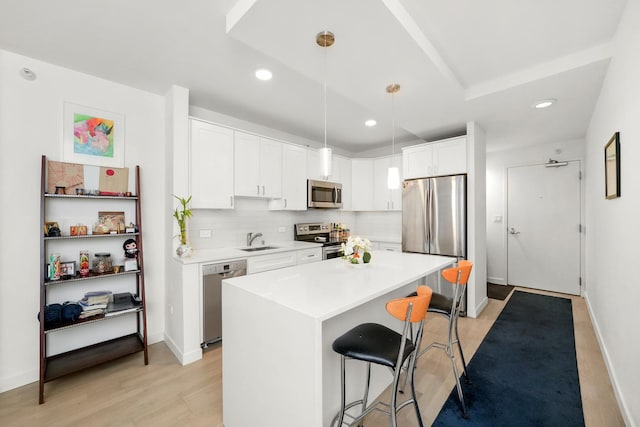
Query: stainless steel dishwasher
[{"x": 212, "y": 276}]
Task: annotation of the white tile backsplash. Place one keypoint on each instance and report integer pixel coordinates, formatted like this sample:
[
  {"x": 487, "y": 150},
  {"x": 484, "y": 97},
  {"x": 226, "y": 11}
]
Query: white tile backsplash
[{"x": 229, "y": 227}]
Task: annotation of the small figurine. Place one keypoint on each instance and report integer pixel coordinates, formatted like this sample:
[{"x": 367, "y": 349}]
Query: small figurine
[{"x": 130, "y": 248}]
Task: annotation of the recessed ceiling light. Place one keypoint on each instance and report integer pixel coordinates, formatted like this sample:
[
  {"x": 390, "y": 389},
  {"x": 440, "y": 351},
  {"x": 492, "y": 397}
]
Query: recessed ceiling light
[
  {"x": 370, "y": 122},
  {"x": 545, "y": 103},
  {"x": 263, "y": 74}
]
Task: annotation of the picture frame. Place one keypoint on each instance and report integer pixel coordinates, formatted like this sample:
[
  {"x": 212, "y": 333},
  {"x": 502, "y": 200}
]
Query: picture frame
[
  {"x": 67, "y": 268},
  {"x": 92, "y": 136},
  {"x": 113, "y": 220},
  {"x": 48, "y": 225},
  {"x": 612, "y": 167}
]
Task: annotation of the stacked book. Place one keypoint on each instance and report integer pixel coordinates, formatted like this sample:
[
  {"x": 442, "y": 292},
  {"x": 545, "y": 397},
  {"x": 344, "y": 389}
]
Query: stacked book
[{"x": 94, "y": 303}]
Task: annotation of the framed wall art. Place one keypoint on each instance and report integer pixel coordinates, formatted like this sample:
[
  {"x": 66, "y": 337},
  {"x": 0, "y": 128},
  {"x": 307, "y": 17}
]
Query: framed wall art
[
  {"x": 612, "y": 167},
  {"x": 92, "y": 136}
]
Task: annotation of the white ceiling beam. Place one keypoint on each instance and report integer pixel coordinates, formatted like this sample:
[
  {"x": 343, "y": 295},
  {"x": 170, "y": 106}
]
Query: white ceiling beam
[
  {"x": 541, "y": 71},
  {"x": 414, "y": 31},
  {"x": 237, "y": 12}
]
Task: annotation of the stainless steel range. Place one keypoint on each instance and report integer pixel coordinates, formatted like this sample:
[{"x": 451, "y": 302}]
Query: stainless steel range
[{"x": 319, "y": 233}]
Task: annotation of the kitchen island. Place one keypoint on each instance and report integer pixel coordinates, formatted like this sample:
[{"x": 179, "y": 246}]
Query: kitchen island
[{"x": 278, "y": 368}]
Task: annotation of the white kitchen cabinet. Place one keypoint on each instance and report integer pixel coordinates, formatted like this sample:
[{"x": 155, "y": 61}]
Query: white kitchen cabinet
[
  {"x": 362, "y": 184},
  {"x": 257, "y": 166},
  {"x": 342, "y": 174},
  {"x": 294, "y": 180},
  {"x": 210, "y": 166},
  {"x": 313, "y": 165},
  {"x": 306, "y": 256},
  {"x": 446, "y": 157},
  {"x": 385, "y": 199},
  {"x": 390, "y": 247},
  {"x": 258, "y": 264}
]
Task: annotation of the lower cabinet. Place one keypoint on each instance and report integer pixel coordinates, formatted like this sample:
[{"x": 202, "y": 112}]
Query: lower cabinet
[
  {"x": 258, "y": 264},
  {"x": 391, "y": 247}
]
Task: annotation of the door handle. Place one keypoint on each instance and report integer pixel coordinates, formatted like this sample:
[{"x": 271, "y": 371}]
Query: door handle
[{"x": 513, "y": 231}]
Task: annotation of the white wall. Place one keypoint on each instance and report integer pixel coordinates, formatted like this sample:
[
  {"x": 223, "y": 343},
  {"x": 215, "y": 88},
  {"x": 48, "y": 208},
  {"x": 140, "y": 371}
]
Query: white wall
[
  {"x": 612, "y": 237},
  {"x": 30, "y": 126},
  {"x": 497, "y": 164}
]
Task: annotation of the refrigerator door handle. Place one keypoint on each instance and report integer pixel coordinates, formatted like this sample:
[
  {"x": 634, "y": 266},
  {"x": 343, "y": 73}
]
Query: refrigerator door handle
[{"x": 428, "y": 217}]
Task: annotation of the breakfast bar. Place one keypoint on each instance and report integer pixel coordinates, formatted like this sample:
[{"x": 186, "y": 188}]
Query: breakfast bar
[{"x": 278, "y": 326}]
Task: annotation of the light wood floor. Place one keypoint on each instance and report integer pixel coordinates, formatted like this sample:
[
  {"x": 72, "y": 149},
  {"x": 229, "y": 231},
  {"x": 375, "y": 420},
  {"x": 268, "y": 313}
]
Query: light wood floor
[{"x": 127, "y": 393}]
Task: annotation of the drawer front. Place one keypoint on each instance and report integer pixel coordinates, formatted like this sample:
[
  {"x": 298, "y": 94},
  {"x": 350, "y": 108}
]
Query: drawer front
[
  {"x": 262, "y": 263},
  {"x": 309, "y": 255}
]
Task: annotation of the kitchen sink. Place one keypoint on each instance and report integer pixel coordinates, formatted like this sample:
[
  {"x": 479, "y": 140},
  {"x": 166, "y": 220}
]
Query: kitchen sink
[{"x": 258, "y": 248}]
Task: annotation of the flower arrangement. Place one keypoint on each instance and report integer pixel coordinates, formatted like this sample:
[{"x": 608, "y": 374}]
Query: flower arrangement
[{"x": 356, "y": 250}]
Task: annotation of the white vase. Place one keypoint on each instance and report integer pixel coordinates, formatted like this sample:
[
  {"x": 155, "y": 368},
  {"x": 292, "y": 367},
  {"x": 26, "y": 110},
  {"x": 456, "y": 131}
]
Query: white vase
[{"x": 184, "y": 251}]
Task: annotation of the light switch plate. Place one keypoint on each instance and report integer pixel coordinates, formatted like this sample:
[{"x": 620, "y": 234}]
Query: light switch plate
[
  {"x": 205, "y": 233},
  {"x": 282, "y": 229}
]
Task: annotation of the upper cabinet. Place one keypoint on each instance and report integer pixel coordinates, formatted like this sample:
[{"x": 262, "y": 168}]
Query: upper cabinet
[
  {"x": 446, "y": 157},
  {"x": 211, "y": 166},
  {"x": 385, "y": 199},
  {"x": 342, "y": 174},
  {"x": 257, "y": 166},
  {"x": 361, "y": 184},
  {"x": 294, "y": 180}
]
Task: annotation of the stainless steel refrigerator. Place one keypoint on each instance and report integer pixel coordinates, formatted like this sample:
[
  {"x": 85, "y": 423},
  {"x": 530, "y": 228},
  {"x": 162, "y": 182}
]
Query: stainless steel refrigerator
[{"x": 434, "y": 220}]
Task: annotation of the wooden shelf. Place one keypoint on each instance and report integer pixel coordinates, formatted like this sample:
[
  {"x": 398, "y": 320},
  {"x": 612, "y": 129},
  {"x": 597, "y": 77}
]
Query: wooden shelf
[
  {"x": 91, "y": 276},
  {"x": 77, "y": 360},
  {"x": 89, "y": 236},
  {"x": 93, "y": 319},
  {"x": 52, "y": 367},
  {"x": 87, "y": 196}
]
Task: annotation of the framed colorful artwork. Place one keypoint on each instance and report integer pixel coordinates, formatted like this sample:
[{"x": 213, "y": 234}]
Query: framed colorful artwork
[{"x": 91, "y": 136}]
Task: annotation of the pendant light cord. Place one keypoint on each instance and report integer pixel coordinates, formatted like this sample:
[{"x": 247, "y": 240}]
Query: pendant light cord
[
  {"x": 393, "y": 124},
  {"x": 324, "y": 92}
]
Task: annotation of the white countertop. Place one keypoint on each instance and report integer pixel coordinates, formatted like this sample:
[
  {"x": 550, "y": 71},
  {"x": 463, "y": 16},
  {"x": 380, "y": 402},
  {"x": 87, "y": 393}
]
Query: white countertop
[
  {"x": 325, "y": 289},
  {"x": 228, "y": 254}
]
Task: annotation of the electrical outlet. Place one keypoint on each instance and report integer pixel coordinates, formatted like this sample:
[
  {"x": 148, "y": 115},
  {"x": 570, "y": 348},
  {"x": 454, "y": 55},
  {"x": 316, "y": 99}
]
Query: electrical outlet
[
  {"x": 205, "y": 233},
  {"x": 282, "y": 229}
]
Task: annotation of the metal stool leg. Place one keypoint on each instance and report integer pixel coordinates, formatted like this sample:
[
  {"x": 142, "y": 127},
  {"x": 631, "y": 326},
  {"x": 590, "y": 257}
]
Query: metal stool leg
[
  {"x": 343, "y": 388},
  {"x": 464, "y": 362},
  {"x": 413, "y": 394}
]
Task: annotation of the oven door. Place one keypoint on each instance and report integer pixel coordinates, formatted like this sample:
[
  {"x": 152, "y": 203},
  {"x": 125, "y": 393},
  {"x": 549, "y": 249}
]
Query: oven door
[{"x": 330, "y": 252}]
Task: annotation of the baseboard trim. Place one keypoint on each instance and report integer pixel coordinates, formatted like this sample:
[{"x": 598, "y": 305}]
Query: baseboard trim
[
  {"x": 183, "y": 358},
  {"x": 497, "y": 280},
  {"x": 607, "y": 361}
]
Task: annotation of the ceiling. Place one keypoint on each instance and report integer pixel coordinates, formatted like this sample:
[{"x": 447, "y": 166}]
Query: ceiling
[{"x": 455, "y": 61}]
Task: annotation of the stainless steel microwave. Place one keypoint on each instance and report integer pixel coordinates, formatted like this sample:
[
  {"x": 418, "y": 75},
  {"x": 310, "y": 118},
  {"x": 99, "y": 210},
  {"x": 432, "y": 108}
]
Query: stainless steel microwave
[{"x": 324, "y": 194}]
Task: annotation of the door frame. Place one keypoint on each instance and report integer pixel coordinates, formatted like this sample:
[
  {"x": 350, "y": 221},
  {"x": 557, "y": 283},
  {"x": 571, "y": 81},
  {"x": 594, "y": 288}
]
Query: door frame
[{"x": 505, "y": 233}]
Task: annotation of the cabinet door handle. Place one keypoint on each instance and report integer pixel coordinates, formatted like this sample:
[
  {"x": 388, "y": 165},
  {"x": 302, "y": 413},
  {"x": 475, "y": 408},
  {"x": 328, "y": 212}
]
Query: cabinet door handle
[
  {"x": 258, "y": 189},
  {"x": 263, "y": 190},
  {"x": 231, "y": 200},
  {"x": 285, "y": 203}
]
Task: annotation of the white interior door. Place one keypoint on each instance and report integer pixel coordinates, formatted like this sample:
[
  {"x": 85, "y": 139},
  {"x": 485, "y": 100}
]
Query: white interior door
[{"x": 543, "y": 230}]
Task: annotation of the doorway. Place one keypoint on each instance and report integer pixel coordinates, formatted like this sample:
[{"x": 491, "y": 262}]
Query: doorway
[{"x": 543, "y": 226}]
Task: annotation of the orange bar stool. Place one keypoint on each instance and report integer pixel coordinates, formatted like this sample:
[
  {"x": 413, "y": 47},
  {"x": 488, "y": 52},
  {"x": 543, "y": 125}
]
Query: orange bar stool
[
  {"x": 378, "y": 344},
  {"x": 449, "y": 307}
]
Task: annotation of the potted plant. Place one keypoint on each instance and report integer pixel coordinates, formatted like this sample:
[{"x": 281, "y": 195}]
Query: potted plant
[{"x": 181, "y": 215}]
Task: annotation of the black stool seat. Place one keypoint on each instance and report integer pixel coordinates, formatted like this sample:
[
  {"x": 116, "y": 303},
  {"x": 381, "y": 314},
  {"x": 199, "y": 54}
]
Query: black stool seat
[
  {"x": 439, "y": 303},
  {"x": 371, "y": 342}
]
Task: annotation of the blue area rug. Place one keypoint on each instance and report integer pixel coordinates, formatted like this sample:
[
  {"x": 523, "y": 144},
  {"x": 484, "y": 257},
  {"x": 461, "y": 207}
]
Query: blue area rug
[{"x": 525, "y": 371}]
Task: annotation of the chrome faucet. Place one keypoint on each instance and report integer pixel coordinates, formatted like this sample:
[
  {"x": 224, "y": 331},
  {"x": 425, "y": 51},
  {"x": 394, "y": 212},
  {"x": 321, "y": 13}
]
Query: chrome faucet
[{"x": 251, "y": 237}]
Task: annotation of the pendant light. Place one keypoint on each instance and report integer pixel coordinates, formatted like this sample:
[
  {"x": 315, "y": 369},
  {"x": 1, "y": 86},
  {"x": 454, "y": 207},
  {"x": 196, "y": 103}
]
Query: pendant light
[
  {"x": 325, "y": 39},
  {"x": 393, "y": 174}
]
